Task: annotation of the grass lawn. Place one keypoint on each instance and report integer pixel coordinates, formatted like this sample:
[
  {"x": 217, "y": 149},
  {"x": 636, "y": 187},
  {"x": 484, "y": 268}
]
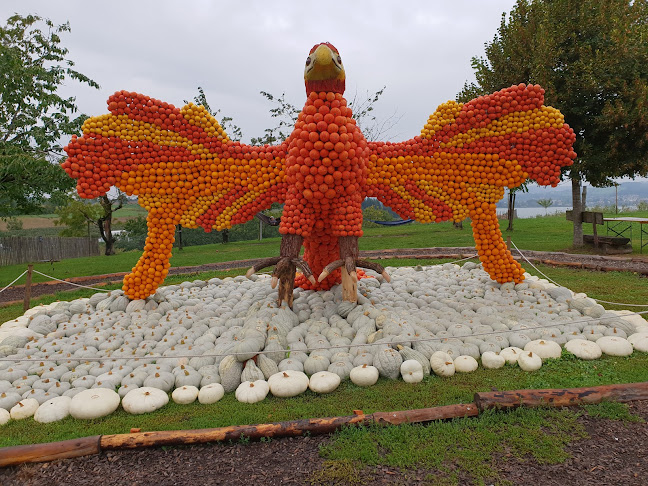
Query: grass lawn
[
  {"x": 465, "y": 447},
  {"x": 549, "y": 233}
]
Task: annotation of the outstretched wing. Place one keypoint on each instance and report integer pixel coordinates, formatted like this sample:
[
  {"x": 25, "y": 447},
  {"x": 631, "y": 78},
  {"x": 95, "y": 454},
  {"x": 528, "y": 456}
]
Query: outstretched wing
[
  {"x": 469, "y": 152},
  {"x": 180, "y": 157}
]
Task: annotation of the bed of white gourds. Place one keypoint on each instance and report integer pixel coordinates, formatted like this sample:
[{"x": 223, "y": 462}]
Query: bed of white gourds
[{"x": 199, "y": 340}]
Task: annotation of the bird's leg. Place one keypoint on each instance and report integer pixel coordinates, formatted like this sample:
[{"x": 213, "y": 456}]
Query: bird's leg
[
  {"x": 349, "y": 261},
  {"x": 286, "y": 267}
]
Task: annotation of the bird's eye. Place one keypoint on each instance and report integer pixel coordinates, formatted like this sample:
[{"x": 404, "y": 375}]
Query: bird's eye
[
  {"x": 339, "y": 59},
  {"x": 308, "y": 61}
]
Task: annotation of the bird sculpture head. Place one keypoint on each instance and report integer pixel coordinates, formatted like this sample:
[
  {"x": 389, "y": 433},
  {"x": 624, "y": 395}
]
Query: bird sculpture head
[{"x": 324, "y": 70}]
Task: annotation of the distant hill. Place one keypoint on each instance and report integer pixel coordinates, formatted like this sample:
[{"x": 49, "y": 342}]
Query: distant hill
[{"x": 630, "y": 193}]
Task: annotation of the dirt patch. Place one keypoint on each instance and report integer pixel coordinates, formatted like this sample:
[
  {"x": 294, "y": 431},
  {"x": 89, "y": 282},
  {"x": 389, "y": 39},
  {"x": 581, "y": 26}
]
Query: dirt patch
[
  {"x": 32, "y": 222},
  {"x": 614, "y": 453}
]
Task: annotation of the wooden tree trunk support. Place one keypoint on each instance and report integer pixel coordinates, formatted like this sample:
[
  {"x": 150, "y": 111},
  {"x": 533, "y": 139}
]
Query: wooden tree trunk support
[
  {"x": 562, "y": 398},
  {"x": 349, "y": 287},
  {"x": 50, "y": 451},
  {"x": 11, "y": 456}
]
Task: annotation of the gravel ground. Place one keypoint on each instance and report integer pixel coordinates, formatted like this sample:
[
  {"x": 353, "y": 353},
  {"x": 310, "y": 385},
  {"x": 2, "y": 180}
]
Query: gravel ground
[
  {"x": 614, "y": 453},
  {"x": 632, "y": 263}
]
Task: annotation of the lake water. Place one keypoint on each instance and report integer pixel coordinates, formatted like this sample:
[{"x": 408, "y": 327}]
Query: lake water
[{"x": 533, "y": 212}]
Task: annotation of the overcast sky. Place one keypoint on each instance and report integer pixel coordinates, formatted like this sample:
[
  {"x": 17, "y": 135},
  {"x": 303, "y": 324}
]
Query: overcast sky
[{"x": 165, "y": 49}]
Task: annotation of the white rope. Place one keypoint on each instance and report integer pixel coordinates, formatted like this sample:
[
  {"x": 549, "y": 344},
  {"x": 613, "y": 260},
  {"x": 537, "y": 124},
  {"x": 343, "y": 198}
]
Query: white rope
[
  {"x": 308, "y": 350},
  {"x": 71, "y": 283},
  {"x": 17, "y": 278},
  {"x": 556, "y": 283},
  {"x": 467, "y": 258}
]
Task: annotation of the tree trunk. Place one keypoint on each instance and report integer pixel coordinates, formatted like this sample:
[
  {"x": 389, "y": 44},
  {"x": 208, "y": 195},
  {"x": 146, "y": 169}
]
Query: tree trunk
[
  {"x": 584, "y": 199},
  {"x": 225, "y": 234},
  {"x": 458, "y": 225},
  {"x": 577, "y": 209},
  {"x": 179, "y": 238},
  {"x": 110, "y": 241},
  {"x": 511, "y": 210}
]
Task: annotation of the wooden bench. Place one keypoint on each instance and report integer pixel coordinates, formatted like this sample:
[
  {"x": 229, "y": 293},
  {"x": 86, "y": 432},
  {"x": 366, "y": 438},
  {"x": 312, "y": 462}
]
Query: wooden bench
[{"x": 610, "y": 244}]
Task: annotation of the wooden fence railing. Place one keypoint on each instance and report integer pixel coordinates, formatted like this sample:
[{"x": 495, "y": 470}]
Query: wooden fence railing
[{"x": 23, "y": 249}]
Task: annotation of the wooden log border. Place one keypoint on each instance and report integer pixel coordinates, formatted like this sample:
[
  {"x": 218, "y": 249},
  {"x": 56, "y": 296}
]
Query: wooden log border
[{"x": 556, "y": 397}]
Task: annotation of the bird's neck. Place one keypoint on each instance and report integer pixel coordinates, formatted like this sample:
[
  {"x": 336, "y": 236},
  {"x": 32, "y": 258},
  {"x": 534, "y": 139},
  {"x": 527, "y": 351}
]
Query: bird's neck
[{"x": 326, "y": 85}]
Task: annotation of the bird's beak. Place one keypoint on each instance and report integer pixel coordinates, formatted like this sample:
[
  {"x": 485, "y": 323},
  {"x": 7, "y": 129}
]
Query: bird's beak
[{"x": 324, "y": 65}]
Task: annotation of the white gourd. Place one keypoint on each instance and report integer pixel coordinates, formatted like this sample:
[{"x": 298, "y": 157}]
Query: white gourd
[
  {"x": 267, "y": 366},
  {"x": 511, "y": 354},
  {"x": 251, "y": 372},
  {"x": 24, "y": 409},
  {"x": 465, "y": 364},
  {"x": 583, "y": 349},
  {"x": 291, "y": 364},
  {"x": 324, "y": 382},
  {"x": 529, "y": 361},
  {"x": 544, "y": 348},
  {"x": 252, "y": 391},
  {"x": 288, "y": 383},
  {"x": 94, "y": 403},
  {"x": 211, "y": 393},
  {"x": 411, "y": 371},
  {"x": 387, "y": 360},
  {"x": 53, "y": 410},
  {"x": 640, "y": 344},
  {"x": 316, "y": 363},
  {"x": 492, "y": 361},
  {"x": 230, "y": 370},
  {"x": 409, "y": 353},
  {"x": 365, "y": 375},
  {"x": 615, "y": 346},
  {"x": 4, "y": 416},
  {"x": 144, "y": 400},
  {"x": 185, "y": 395},
  {"x": 442, "y": 364},
  {"x": 341, "y": 368},
  {"x": 162, "y": 380}
]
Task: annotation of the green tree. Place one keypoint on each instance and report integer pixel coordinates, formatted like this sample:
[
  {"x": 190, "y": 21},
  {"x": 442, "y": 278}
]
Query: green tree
[
  {"x": 374, "y": 213},
  {"x": 545, "y": 203},
  {"x": 592, "y": 59},
  {"x": 362, "y": 105},
  {"x": 79, "y": 214},
  {"x": 33, "y": 117},
  {"x": 233, "y": 131}
]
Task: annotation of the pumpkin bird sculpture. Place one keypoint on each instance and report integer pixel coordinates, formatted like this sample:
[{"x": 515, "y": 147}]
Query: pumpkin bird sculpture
[{"x": 185, "y": 170}]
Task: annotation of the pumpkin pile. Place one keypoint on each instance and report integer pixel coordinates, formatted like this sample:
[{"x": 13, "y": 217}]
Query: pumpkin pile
[{"x": 201, "y": 340}]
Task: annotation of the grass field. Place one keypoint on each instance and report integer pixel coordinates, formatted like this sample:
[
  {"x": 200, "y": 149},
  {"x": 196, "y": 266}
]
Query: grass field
[
  {"x": 550, "y": 233},
  {"x": 461, "y": 446}
]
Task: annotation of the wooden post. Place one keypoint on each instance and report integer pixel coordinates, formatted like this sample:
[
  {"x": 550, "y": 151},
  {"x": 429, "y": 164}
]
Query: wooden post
[
  {"x": 28, "y": 282},
  {"x": 349, "y": 287},
  {"x": 508, "y": 243},
  {"x": 50, "y": 451},
  {"x": 596, "y": 243},
  {"x": 561, "y": 397}
]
